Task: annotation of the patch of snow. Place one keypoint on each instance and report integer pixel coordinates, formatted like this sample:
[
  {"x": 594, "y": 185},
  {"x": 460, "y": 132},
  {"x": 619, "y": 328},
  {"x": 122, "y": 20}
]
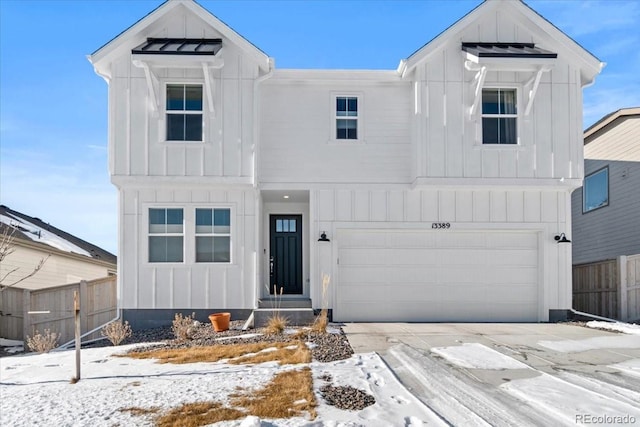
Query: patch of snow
[
  {"x": 568, "y": 403},
  {"x": 626, "y": 328},
  {"x": 477, "y": 356},
  {"x": 10, "y": 343},
  {"x": 242, "y": 336},
  {"x": 595, "y": 343},
  {"x": 631, "y": 367},
  {"x": 39, "y": 234}
]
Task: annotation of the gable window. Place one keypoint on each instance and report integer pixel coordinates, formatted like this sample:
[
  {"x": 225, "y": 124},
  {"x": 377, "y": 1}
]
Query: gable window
[
  {"x": 213, "y": 235},
  {"x": 499, "y": 116},
  {"x": 166, "y": 235},
  {"x": 595, "y": 192},
  {"x": 184, "y": 112},
  {"x": 347, "y": 117}
]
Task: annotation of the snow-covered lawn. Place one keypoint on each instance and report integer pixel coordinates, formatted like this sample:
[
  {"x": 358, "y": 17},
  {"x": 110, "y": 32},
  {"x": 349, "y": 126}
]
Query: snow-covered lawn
[{"x": 35, "y": 389}]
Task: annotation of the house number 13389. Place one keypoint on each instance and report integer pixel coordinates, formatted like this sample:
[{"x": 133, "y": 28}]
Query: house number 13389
[{"x": 440, "y": 225}]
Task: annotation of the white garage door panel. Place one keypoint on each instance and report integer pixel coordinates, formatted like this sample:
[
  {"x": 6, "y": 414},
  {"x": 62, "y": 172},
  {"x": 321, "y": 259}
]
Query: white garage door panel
[{"x": 437, "y": 276}]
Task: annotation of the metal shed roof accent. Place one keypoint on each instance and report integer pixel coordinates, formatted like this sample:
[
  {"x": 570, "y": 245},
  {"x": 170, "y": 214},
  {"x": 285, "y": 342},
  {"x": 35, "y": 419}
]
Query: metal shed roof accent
[
  {"x": 177, "y": 46},
  {"x": 507, "y": 50}
]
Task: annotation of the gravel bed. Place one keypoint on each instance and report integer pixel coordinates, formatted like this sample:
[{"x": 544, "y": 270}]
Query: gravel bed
[{"x": 346, "y": 397}]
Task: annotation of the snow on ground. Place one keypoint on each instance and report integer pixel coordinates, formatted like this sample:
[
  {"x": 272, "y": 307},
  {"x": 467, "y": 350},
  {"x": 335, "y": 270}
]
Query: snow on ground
[
  {"x": 626, "y": 328},
  {"x": 36, "y": 390},
  {"x": 477, "y": 356},
  {"x": 631, "y": 367}
]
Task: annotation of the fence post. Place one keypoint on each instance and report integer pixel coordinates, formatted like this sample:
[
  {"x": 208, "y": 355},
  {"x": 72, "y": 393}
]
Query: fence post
[
  {"x": 622, "y": 288},
  {"x": 84, "y": 316},
  {"x": 26, "y": 317}
]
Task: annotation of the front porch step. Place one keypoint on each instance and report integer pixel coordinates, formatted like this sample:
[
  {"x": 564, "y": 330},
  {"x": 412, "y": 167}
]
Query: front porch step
[
  {"x": 295, "y": 316},
  {"x": 278, "y": 302}
]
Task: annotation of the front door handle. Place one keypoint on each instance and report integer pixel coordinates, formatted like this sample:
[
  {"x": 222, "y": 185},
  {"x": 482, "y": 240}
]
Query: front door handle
[{"x": 271, "y": 260}]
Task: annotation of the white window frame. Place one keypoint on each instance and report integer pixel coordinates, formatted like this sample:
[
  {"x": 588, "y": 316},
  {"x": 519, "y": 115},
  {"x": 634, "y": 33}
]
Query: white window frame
[
  {"x": 213, "y": 233},
  {"x": 167, "y": 112},
  {"x": 357, "y": 118},
  {"x": 151, "y": 234},
  {"x": 517, "y": 116},
  {"x": 604, "y": 170}
]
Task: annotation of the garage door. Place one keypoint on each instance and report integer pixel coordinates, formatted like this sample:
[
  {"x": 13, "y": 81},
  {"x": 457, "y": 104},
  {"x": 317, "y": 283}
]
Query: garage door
[{"x": 421, "y": 276}]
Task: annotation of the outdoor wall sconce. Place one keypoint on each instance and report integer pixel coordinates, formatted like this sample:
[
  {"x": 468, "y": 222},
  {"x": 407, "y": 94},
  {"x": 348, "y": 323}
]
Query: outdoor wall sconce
[
  {"x": 323, "y": 237},
  {"x": 561, "y": 238}
]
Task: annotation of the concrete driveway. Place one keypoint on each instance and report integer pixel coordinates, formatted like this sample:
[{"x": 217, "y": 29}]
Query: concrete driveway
[{"x": 512, "y": 374}]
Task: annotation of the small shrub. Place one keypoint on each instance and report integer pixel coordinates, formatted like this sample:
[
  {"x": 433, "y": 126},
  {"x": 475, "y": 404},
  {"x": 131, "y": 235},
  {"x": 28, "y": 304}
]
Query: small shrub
[
  {"x": 321, "y": 322},
  {"x": 183, "y": 327},
  {"x": 276, "y": 324},
  {"x": 116, "y": 332},
  {"x": 43, "y": 343}
]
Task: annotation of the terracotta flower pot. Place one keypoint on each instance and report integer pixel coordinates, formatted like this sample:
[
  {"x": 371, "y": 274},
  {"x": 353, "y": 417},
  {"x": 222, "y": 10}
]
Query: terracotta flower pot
[{"x": 220, "y": 321}]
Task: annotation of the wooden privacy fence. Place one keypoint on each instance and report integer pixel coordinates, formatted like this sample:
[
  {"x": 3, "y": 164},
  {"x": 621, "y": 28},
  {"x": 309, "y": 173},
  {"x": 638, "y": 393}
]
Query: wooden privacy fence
[
  {"x": 98, "y": 305},
  {"x": 608, "y": 288}
]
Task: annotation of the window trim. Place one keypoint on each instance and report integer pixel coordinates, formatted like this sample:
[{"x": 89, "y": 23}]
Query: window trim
[
  {"x": 149, "y": 234},
  {"x": 212, "y": 234},
  {"x": 166, "y": 112},
  {"x": 584, "y": 189},
  {"x": 333, "y": 139},
  {"x": 518, "y": 116}
]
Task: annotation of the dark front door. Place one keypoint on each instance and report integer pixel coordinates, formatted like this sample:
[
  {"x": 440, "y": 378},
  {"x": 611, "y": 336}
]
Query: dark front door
[{"x": 285, "y": 263}]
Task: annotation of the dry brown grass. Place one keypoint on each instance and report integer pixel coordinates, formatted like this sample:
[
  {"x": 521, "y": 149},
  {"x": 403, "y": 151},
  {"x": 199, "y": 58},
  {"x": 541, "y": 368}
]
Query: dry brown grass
[
  {"x": 289, "y": 394},
  {"x": 321, "y": 322},
  {"x": 198, "y": 414},
  {"x": 135, "y": 410},
  {"x": 237, "y": 353},
  {"x": 284, "y": 355}
]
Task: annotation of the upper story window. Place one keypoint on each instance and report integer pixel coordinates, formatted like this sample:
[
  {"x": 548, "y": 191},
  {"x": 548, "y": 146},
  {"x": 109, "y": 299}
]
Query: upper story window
[
  {"x": 213, "y": 235},
  {"x": 499, "y": 116},
  {"x": 166, "y": 235},
  {"x": 347, "y": 117},
  {"x": 184, "y": 112},
  {"x": 595, "y": 192}
]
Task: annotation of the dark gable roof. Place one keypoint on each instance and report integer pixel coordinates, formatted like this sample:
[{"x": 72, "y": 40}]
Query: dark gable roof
[
  {"x": 177, "y": 46},
  {"x": 506, "y": 50},
  {"x": 96, "y": 252}
]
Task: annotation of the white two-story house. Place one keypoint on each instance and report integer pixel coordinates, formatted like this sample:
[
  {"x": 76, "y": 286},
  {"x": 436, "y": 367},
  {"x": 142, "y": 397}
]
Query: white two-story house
[{"x": 436, "y": 191}]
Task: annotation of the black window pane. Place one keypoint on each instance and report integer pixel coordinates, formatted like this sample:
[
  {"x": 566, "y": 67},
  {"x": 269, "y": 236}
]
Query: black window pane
[
  {"x": 490, "y": 131},
  {"x": 193, "y": 127},
  {"x": 174, "y": 216},
  {"x": 193, "y": 98},
  {"x": 165, "y": 249},
  {"x": 204, "y": 249},
  {"x": 352, "y": 134},
  {"x": 507, "y": 131},
  {"x": 507, "y": 101},
  {"x": 221, "y": 249},
  {"x": 204, "y": 217},
  {"x": 157, "y": 216},
  {"x": 353, "y": 106},
  {"x": 175, "y": 127},
  {"x": 341, "y": 134},
  {"x": 490, "y": 101},
  {"x": 341, "y": 104},
  {"x": 222, "y": 217},
  {"x": 175, "y": 97},
  {"x": 174, "y": 249}
]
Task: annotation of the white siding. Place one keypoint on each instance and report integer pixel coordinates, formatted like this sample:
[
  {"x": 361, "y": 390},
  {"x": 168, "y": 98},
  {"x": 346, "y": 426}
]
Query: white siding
[{"x": 187, "y": 284}]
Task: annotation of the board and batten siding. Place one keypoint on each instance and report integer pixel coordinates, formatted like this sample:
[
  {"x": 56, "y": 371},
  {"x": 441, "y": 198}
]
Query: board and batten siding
[
  {"x": 188, "y": 284},
  {"x": 137, "y": 132},
  {"x": 297, "y": 141},
  {"x": 449, "y": 139},
  {"x": 545, "y": 212}
]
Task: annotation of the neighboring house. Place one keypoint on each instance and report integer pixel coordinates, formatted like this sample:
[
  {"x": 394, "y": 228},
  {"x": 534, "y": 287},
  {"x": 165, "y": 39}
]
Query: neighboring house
[
  {"x": 606, "y": 210},
  {"x": 432, "y": 192},
  {"x": 68, "y": 259}
]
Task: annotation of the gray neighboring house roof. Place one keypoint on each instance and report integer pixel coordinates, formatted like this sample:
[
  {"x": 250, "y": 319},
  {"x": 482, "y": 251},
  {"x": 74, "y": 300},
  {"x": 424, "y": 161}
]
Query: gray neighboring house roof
[{"x": 95, "y": 252}]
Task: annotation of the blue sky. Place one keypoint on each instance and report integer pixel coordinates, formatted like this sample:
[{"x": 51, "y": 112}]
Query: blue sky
[{"x": 53, "y": 108}]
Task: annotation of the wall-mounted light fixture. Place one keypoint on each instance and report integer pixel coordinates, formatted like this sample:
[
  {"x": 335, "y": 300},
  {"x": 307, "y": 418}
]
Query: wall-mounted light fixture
[
  {"x": 561, "y": 238},
  {"x": 323, "y": 237}
]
